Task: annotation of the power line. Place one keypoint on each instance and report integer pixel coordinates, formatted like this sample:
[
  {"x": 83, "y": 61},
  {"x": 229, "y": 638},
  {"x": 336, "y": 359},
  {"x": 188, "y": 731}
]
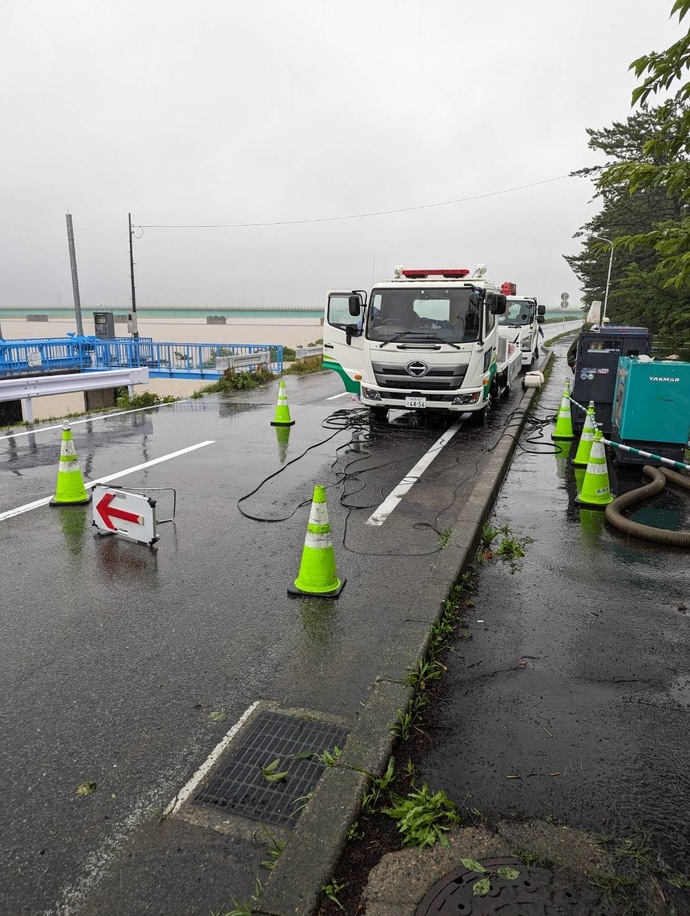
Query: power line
[{"x": 332, "y": 219}]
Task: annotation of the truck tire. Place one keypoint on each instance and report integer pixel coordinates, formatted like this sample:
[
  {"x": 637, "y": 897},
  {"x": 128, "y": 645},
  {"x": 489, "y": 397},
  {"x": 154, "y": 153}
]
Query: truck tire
[
  {"x": 480, "y": 416},
  {"x": 378, "y": 414}
]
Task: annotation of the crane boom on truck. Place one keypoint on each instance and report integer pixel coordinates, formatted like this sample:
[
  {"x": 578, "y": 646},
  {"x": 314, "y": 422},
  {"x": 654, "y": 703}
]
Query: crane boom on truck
[{"x": 425, "y": 340}]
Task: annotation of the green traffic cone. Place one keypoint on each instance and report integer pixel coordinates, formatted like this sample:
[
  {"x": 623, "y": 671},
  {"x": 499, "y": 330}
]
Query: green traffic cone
[
  {"x": 595, "y": 491},
  {"x": 584, "y": 448},
  {"x": 70, "y": 489},
  {"x": 564, "y": 423},
  {"x": 282, "y": 414},
  {"x": 317, "y": 575}
]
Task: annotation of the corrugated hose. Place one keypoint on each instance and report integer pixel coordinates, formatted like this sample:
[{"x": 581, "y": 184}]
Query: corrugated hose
[{"x": 660, "y": 477}]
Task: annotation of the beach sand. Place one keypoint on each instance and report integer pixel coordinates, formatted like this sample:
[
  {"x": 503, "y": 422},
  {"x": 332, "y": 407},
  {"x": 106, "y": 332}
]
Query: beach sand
[{"x": 290, "y": 332}]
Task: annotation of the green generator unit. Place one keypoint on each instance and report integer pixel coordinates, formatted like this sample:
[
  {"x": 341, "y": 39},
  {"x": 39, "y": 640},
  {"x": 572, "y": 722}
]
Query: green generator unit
[{"x": 651, "y": 408}]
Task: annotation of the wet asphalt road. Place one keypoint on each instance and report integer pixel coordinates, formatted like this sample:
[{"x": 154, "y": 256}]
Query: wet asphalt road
[
  {"x": 114, "y": 656},
  {"x": 572, "y": 700}
]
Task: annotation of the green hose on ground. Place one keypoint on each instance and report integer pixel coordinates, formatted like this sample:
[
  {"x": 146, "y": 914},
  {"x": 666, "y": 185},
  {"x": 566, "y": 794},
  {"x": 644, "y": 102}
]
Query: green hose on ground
[{"x": 660, "y": 477}]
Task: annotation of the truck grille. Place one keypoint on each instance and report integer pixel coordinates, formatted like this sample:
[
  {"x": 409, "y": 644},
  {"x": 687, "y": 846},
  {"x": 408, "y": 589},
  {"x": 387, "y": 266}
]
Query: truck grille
[{"x": 438, "y": 378}]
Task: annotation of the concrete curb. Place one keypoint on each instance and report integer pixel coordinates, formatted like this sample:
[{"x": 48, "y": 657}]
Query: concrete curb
[{"x": 317, "y": 843}]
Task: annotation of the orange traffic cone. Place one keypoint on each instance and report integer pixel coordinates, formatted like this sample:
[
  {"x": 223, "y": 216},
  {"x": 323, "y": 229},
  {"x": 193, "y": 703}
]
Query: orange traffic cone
[
  {"x": 70, "y": 489},
  {"x": 317, "y": 576}
]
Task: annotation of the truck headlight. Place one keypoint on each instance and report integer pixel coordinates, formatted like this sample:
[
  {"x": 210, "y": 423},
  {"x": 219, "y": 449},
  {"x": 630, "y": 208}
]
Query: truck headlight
[
  {"x": 372, "y": 394},
  {"x": 466, "y": 398}
]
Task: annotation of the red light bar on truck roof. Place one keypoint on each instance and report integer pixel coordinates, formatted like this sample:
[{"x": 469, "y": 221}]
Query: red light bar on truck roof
[
  {"x": 508, "y": 288},
  {"x": 450, "y": 274}
]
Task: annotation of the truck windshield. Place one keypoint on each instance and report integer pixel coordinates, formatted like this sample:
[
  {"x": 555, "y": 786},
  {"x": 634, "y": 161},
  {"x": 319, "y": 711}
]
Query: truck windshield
[
  {"x": 519, "y": 312},
  {"x": 451, "y": 315}
]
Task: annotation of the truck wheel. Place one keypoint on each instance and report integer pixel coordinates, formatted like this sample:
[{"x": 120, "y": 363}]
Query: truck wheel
[
  {"x": 480, "y": 416},
  {"x": 378, "y": 414}
]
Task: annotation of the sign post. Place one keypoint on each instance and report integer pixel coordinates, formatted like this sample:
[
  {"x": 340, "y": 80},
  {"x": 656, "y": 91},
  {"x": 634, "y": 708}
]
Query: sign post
[{"x": 564, "y": 306}]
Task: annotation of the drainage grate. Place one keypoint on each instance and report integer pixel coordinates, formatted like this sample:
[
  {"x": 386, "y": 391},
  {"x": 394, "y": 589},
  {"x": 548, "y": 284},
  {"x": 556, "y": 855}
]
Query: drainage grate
[
  {"x": 534, "y": 891},
  {"x": 241, "y": 787}
]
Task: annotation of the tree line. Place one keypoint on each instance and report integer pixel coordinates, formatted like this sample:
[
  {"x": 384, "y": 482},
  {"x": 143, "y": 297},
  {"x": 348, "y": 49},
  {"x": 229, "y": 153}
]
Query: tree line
[{"x": 644, "y": 188}]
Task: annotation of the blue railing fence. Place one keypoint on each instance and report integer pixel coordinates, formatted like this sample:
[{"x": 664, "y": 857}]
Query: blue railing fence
[{"x": 163, "y": 359}]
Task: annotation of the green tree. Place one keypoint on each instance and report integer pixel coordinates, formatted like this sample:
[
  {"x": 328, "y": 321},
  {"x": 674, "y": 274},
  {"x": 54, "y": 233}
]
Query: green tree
[
  {"x": 665, "y": 163},
  {"x": 638, "y": 292}
]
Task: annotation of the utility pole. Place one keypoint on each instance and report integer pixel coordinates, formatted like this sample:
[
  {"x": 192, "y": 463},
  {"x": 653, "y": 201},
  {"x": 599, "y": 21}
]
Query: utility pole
[
  {"x": 75, "y": 278},
  {"x": 133, "y": 317}
]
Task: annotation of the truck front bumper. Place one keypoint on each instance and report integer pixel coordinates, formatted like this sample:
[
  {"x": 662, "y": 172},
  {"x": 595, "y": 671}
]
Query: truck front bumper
[{"x": 454, "y": 401}]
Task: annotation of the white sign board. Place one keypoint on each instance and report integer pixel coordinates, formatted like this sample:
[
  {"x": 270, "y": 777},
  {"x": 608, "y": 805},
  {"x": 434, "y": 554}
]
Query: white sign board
[{"x": 116, "y": 511}]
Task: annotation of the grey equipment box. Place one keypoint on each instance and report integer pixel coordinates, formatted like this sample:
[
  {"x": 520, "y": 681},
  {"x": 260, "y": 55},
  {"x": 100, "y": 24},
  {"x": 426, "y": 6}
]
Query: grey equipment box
[{"x": 596, "y": 368}]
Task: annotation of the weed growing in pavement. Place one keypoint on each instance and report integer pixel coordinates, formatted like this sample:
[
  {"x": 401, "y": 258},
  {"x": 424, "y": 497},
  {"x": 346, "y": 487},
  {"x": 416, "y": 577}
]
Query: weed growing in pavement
[
  {"x": 423, "y": 818},
  {"x": 332, "y": 889},
  {"x": 636, "y": 869},
  {"x": 242, "y": 909},
  {"x": 379, "y": 784},
  {"x": 425, "y": 673},
  {"x": 275, "y": 849},
  {"x": 406, "y": 719},
  {"x": 488, "y": 535},
  {"x": 354, "y": 832},
  {"x": 329, "y": 758},
  {"x": 511, "y": 548},
  {"x": 444, "y": 537}
]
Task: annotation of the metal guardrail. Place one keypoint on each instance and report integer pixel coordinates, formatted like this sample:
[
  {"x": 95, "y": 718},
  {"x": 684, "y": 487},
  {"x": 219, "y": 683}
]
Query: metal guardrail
[
  {"x": 162, "y": 359},
  {"x": 306, "y": 352},
  {"x": 244, "y": 360},
  {"x": 25, "y": 388}
]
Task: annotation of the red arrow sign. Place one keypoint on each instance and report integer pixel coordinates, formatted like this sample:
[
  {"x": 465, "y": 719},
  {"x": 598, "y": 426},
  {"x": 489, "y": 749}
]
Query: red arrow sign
[{"x": 107, "y": 514}]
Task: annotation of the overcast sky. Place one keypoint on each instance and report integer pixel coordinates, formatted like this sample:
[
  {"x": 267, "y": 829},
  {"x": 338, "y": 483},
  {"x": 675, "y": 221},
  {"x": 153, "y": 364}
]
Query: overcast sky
[{"x": 220, "y": 112}]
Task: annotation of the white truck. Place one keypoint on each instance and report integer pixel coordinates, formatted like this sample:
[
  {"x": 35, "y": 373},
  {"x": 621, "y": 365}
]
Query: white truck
[
  {"x": 425, "y": 340},
  {"x": 521, "y": 323}
]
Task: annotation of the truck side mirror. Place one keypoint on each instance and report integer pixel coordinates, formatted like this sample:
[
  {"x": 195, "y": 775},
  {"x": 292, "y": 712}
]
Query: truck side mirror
[
  {"x": 541, "y": 310},
  {"x": 354, "y": 304},
  {"x": 499, "y": 305}
]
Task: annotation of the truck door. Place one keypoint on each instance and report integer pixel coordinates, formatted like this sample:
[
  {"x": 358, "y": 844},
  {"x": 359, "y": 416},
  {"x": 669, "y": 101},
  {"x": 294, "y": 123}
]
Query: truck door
[{"x": 343, "y": 340}]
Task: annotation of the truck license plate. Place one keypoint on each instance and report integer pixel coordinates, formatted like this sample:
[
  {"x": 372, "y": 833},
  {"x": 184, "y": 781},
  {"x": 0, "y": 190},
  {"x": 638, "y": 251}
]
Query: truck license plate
[{"x": 415, "y": 402}]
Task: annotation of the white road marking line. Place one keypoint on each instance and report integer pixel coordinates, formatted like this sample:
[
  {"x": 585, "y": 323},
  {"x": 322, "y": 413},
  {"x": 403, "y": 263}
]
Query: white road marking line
[
  {"x": 335, "y": 396},
  {"x": 91, "y": 483},
  {"x": 410, "y": 479},
  {"x": 190, "y": 787},
  {"x": 104, "y": 416}
]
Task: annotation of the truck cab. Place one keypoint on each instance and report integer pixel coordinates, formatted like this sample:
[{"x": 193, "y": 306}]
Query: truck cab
[
  {"x": 424, "y": 340},
  {"x": 520, "y": 325}
]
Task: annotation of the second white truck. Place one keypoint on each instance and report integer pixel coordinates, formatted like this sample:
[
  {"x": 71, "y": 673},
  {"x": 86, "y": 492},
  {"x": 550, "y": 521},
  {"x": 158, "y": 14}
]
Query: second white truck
[
  {"x": 521, "y": 324},
  {"x": 425, "y": 340}
]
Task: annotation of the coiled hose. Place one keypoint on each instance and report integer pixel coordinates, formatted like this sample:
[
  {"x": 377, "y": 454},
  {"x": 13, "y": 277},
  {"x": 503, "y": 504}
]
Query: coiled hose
[{"x": 660, "y": 477}]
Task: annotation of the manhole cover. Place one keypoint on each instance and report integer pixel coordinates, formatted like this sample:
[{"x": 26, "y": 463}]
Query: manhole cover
[
  {"x": 534, "y": 891},
  {"x": 242, "y": 788}
]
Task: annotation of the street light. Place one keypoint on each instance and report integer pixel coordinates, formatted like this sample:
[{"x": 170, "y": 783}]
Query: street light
[{"x": 600, "y": 238}]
